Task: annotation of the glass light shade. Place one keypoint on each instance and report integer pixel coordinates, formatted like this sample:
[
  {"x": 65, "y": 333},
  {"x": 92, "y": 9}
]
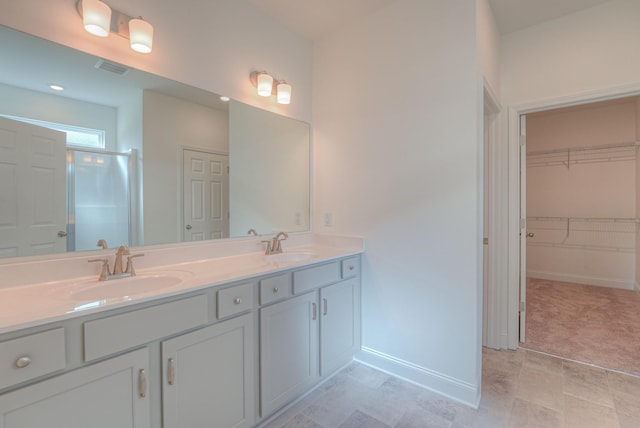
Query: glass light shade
[
  {"x": 140, "y": 35},
  {"x": 284, "y": 93},
  {"x": 265, "y": 85},
  {"x": 96, "y": 17}
]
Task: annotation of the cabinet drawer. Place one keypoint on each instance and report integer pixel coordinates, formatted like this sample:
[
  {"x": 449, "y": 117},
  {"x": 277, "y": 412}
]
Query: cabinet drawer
[
  {"x": 234, "y": 300},
  {"x": 31, "y": 356},
  {"x": 308, "y": 279},
  {"x": 113, "y": 334},
  {"x": 275, "y": 288},
  {"x": 350, "y": 267}
]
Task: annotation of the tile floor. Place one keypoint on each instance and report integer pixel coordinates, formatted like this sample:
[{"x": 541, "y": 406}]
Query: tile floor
[{"x": 520, "y": 389}]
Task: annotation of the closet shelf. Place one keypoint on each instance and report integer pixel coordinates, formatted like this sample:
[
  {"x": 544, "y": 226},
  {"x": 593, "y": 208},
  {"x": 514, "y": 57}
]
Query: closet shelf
[
  {"x": 583, "y": 155},
  {"x": 602, "y": 233}
]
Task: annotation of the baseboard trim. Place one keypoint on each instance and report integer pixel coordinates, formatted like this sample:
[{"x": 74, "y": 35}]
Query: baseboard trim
[
  {"x": 448, "y": 386},
  {"x": 580, "y": 279}
]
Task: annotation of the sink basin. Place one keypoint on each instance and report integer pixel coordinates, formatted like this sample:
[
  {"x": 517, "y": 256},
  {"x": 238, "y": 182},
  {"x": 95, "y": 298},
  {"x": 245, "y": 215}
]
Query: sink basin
[
  {"x": 125, "y": 287},
  {"x": 297, "y": 256}
]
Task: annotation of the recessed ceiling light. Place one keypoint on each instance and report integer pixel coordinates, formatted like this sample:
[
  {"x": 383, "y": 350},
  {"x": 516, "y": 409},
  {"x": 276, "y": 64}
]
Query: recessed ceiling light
[
  {"x": 57, "y": 87},
  {"x": 223, "y": 98}
]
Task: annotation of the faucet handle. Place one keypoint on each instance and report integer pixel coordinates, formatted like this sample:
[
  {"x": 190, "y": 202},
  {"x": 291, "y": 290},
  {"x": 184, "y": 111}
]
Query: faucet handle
[
  {"x": 130, "y": 269},
  {"x": 269, "y": 248},
  {"x": 104, "y": 273}
]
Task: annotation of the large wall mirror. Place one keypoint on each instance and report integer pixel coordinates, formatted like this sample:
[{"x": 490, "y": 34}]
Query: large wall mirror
[{"x": 131, "y": 158}]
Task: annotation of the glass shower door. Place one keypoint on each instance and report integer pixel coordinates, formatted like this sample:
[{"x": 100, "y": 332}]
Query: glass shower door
[{"x": 98, "y": 199}]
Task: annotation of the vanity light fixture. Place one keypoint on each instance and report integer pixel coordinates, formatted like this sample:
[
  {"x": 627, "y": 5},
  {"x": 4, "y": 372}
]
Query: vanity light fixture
[
  {"x": 99, "y": 19},
  {"x": 56, "y": 87},
  {"x": 284, "y": 92},
  {"x": 267, "y": 86},
  {"x": 225, "y": 98}
]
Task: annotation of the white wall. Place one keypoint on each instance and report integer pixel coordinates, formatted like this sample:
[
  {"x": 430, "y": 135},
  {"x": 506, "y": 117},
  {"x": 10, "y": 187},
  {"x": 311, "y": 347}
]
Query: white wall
[
  {"x": 397, "y": 159},
  {"x": 488, "y": 41},
  {"x": 269, "y": 172},
  {"x": 168, "y": 124},
  {"x": 594, "y": 253},
  {"x": 30, "y": 104},
  {"x": 586, "y": 51},
  {"x": 213, "y": 45}
]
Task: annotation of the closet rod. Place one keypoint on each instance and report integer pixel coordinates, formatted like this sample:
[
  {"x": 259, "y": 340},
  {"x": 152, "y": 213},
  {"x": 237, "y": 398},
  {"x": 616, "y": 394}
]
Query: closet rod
[{"x": 585, "y": 148}]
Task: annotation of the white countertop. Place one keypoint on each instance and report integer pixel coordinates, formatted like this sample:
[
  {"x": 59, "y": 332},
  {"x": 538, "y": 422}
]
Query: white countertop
[{"x": 42, "y": 302}]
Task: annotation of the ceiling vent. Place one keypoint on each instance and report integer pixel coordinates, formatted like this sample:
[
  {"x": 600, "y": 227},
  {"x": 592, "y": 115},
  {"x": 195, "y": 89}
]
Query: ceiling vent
[{"x": 112, "y": 67}]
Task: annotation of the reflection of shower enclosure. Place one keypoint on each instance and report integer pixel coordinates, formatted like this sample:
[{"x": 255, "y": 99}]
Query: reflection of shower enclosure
[{"x": 98, "y": 198}]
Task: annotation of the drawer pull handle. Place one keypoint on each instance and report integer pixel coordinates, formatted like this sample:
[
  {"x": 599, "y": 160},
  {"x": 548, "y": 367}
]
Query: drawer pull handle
[
  {"x": 142, "y": 383},
  {"x": 171, "y": 372},
  {"x": 275, "y": 289},
  {"x": 326, "y": 306},
  {"x": 314, "y": 311},
  {"x": 237, "y": 300},
  {"x": 23, "y": 362}
]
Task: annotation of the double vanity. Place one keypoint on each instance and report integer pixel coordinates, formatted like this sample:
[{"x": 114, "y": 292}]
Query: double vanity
[{"x": 225, "y": 336}]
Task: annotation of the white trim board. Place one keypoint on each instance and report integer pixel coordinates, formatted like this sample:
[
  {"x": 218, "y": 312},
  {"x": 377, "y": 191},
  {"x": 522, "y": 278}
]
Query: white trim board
[
  {"x": 448, "y": 386},
  {"x": 581, "y": 279}
]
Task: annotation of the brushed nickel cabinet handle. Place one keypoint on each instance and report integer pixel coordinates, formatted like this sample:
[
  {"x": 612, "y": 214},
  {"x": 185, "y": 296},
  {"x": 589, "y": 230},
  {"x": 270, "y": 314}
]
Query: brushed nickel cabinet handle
[
  {"x": 314, "y": 311},
  {"x": 23, "y": 361},
  {"x": 237, "y": 300},
  {"x": 171, "y": 372},
  {"x": 351, "y": 267},
  {"x": 276, "y": 289},
  {"x": 325, "y": 305},
  {"x": 142, "y": 383}
]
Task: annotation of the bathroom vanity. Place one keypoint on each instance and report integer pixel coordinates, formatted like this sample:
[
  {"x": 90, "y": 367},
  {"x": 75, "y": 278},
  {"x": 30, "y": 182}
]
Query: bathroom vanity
[{"x": 228, "y": 343}]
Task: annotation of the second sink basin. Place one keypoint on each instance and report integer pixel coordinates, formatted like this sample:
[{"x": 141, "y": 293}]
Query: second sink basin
[
  {"x": 125, "y": 287},
  {"x": 297, "y": 256}
]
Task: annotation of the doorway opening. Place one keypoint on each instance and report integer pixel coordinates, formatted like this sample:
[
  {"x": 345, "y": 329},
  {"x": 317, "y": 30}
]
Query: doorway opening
[{"x": 580, "y": 204}]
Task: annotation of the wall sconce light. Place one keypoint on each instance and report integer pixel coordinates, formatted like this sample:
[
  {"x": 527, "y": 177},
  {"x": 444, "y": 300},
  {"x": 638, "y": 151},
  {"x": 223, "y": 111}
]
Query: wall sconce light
[
  {"x": 267, "y": 86},
  {"x": 99, "y": 19}
]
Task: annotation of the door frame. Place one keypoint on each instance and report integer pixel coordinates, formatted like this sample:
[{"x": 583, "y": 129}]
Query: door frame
[{"x": 514, "y": 112}]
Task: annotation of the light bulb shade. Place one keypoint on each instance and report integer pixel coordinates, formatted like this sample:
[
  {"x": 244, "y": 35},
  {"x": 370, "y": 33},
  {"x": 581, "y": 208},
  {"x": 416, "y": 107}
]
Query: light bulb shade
[
  {"x": 96, "y": 17},
  {"x": 140, "y": 35},
  {"x": 265, "y": 85},
  {"x": 284, "y": 93}
]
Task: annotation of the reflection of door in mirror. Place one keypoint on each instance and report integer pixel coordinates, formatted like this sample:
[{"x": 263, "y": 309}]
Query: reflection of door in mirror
[
  {"x": 206, "y": 195},
  {"x": 32, "y": 189}
]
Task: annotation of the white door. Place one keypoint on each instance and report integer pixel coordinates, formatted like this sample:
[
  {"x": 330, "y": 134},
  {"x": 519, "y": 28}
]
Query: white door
[
  {"x": 288, "y": 351},
  {"x": 339, "y": 339},
  {"x": 32, "y": 190},
  {"x": 112, "y": 393},
  {"x": 523, "y": 227},
  {"x": 206, "y": 195},
  {"x": 208, "y": 377}
]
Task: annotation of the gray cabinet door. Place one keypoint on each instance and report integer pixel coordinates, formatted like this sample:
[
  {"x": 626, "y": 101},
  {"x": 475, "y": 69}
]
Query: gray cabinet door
[
  {"x": 339, "y": 324},
  {"x": 208, "y": 377},
  {"x": 288, "y": 350},
  {"x": 104, "y": 395}
]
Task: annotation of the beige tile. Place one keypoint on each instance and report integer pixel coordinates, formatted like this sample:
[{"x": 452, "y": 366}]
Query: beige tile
[
  {"x": 627, "y": 408},
  {"x": 580, "y": 413},
  {"x": 359, "y": 420},
  {"x": 300, "y": 421},
  {"x": 586, "y": 382},
  {"x": 537, "y": 360},
  {"x": 420, "y": 418},
  {"x": 481, "y": 418},
  {"x": 624, "y": 383},
  {"x": 540, "y": 387},
  {"x": 530, "y": 415}
]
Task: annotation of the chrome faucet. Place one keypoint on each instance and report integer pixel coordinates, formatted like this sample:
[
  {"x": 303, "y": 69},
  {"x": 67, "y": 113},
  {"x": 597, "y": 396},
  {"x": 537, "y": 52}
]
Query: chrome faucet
[
  {"x": 118, "y": 272},
  {"x": 102, "y": 243},
  {"x": 274, "y": 246},
  {"x": 252, "y": 232}
]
